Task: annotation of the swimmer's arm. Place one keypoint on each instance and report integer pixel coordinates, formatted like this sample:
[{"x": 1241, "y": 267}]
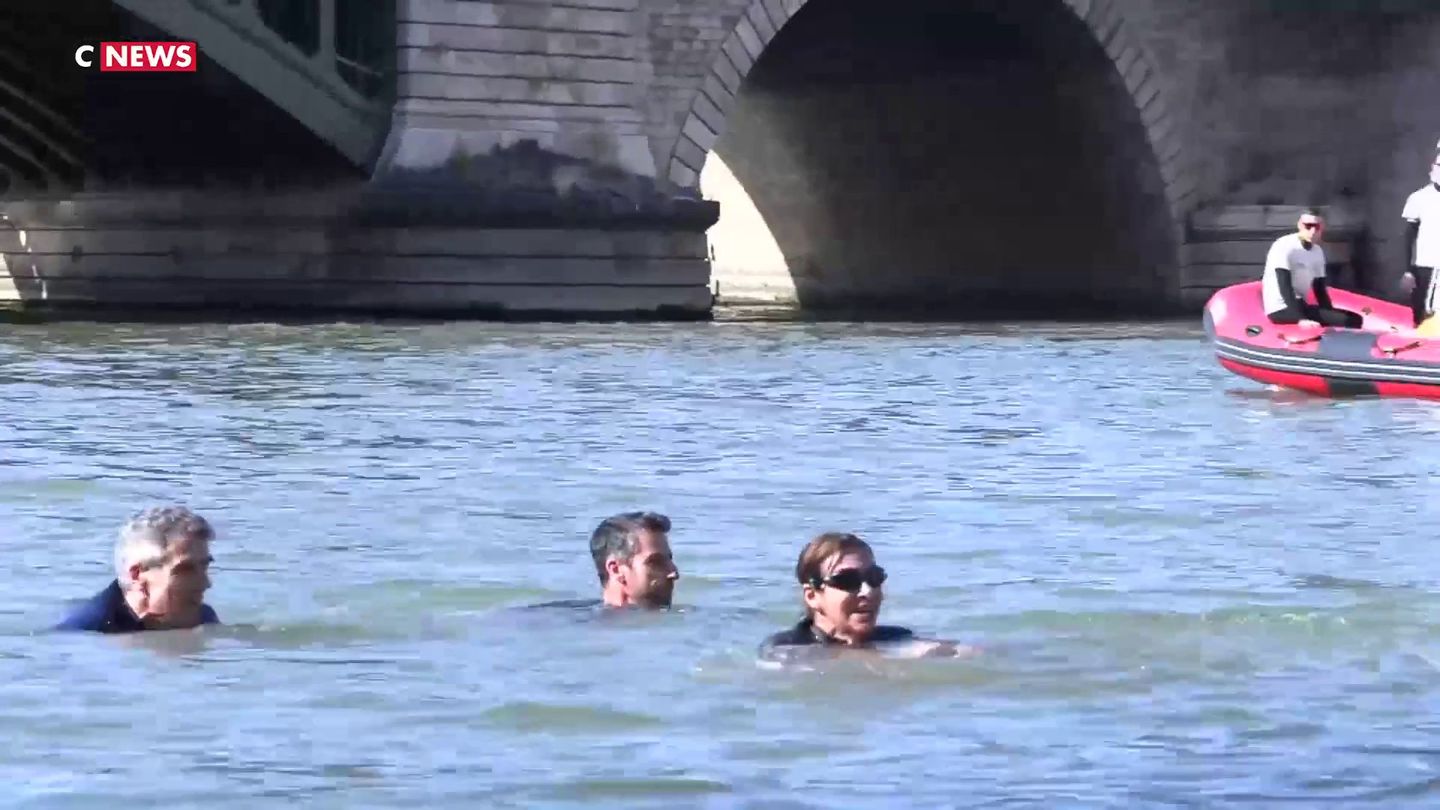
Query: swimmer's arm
[
  {"x": 940, "y": 648},
  {"x": 910, "y": 645}
]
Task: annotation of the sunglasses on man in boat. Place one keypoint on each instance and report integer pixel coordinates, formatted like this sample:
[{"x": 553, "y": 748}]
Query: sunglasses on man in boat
[{"x": 851, "y": 579}]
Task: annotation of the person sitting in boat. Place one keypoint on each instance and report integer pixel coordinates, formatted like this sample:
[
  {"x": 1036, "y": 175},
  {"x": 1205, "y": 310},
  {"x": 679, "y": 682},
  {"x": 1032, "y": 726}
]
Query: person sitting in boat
[
  {"x": 842, "y": 589},
  {"x": 1294, "y": 267}
]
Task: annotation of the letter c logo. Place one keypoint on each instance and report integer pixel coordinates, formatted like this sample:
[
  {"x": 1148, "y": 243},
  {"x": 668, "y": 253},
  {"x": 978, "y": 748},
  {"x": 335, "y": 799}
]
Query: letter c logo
[{"x": 82, "y": 61}]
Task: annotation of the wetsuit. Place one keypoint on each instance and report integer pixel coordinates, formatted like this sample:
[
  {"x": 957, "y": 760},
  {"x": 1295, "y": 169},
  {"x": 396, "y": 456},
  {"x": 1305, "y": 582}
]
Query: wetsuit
[
  {"x": 1324, "y": 314},
  {"x": 566, "y": 604},
  {"x": 807, "y": 633},
  {"x": 107, "y": 612}
]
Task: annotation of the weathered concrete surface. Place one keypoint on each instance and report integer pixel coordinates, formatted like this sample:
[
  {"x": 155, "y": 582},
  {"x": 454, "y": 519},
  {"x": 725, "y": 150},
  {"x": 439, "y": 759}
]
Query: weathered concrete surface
[
  {"x": 360, "y": 252},
  {"x": 477, "y": 77}
]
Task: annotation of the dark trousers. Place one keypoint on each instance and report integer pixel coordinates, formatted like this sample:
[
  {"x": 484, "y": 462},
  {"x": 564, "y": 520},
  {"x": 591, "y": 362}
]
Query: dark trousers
[
  {"x": 1321, "y": 315},
  {"x": 1420, "y": 295}
]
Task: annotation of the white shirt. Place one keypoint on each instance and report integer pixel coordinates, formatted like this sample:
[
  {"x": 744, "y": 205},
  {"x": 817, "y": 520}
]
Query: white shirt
[
  {"x": 1424, "y": 207},
  {"x": 1305, "y": 266}
]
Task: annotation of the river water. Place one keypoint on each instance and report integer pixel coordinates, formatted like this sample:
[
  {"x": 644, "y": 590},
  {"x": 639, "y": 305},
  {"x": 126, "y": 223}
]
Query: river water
[{"x": 1191, "y": 591}]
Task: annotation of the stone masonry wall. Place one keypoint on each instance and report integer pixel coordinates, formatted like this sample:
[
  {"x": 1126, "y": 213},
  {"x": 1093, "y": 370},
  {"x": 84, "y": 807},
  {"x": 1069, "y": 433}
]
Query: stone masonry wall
[
  {"x": 478, "y": 78},
  {"x": 1322, "y": 103},
  {"x": 610, "y": 107},
  {"x": 1245, "y": 101},
  {"x": 641, "y": 86},
  {"x": 1109, "y": 21},
  {"x": 981, "y": 161}
]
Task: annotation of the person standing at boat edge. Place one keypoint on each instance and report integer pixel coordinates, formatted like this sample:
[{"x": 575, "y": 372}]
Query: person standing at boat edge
[
  {"x": 1422, "y": 244},
  {"x": 1294, "y": 266}
]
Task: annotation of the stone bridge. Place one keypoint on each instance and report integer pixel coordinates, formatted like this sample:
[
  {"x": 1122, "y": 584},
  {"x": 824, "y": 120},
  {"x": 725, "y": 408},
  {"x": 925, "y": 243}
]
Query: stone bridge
[{"x": 638, "y": 157}]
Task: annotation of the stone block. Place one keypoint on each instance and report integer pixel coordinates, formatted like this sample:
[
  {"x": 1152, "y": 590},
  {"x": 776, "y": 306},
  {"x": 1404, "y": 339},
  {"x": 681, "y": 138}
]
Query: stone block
[
  {"x": 1163, "y": 129},
  {"x": 750, "y": 43},
  {"x": 701, "y": 135},
  {"x": 718, "y": 94},
  {"x": 728, "y": 74},
  {"x": 516, "y": 109},
  {"x": 709, "y": 114},
  {"x": 684, "y": 176},
  {"x": 1099, "y": 16},
  {"x": 1080, "y": 7},
  {"x": 690, "y": 153},
  {"x": 167, "y": 242},
  {"x": 1268, "y": 218},
  {"x": 406, "y": 8},
  {"x": 1168, "y": 150},
  {"x": 1145, "y": 93},
  {"x": 510, "y": 40},
  {"x": 760, "y": 23},
  {"x": 319, "y": 266},
  {"x": 478, "y": 64},
  {"x": 557, "y": 93},
  {"x": 779, "y": 15},
  {"x": 235, "y": 298},
  {"x": 1136, "y": 73},
  {"x": 568, "y": 19},
  {"x": 1112, "y": 35},
  {"x": 1169, "y": 169},
  {"x": 1251, "y": 251},
  {"x": 1216, "y": 276}
]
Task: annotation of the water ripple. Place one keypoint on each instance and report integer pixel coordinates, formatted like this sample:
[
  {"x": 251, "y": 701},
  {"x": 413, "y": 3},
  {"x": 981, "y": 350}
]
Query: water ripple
[{"x": 1189, "y": 590}]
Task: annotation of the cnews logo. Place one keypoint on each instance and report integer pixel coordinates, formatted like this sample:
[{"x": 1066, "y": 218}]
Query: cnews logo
[{"x": 132, "y": 57}]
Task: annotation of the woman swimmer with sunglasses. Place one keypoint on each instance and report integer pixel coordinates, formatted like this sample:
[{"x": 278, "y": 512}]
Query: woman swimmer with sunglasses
[{"x": 842, "y": 588}]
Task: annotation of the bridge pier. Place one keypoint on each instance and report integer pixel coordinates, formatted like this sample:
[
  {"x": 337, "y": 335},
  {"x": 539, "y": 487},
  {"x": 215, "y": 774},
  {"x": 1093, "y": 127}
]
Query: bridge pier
[
  {"x": 360, "y": 251},
  {"x": 471, "y": 185}
]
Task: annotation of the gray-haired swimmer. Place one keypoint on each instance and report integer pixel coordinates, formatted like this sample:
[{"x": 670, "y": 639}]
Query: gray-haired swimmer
[
  {"x": 843, "y": 590},
  {"x": 162, "y": 571}
]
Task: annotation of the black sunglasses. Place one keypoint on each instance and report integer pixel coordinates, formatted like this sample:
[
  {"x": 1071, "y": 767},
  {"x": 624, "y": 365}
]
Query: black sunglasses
[{"x": 851, "y": 579}]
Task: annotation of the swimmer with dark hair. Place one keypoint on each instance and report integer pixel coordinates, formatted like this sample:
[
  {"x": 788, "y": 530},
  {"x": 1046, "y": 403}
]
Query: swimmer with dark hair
[
  {"x": 633, "y": 562},
  {"x": 843, "y": 589}
]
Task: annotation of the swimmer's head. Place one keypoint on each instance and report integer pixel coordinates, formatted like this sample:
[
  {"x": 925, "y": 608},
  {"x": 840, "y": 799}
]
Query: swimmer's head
[
  {"x": 162, "y": 564},
  {"x": 633, "y": 560},
  {"x": 841, "y": 586}
]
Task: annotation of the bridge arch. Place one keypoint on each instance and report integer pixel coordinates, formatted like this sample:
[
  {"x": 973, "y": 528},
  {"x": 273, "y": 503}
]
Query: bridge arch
[{"x": 765, "y": 23}]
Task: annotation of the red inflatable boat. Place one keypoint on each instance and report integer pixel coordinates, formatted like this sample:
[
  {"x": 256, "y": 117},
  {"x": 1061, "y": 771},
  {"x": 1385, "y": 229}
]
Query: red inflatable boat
[{"x": 1384, "y": 357}]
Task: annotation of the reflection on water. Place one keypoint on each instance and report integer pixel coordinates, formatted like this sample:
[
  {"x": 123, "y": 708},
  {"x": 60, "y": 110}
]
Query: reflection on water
[{"x": 1190, "y": 590}]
